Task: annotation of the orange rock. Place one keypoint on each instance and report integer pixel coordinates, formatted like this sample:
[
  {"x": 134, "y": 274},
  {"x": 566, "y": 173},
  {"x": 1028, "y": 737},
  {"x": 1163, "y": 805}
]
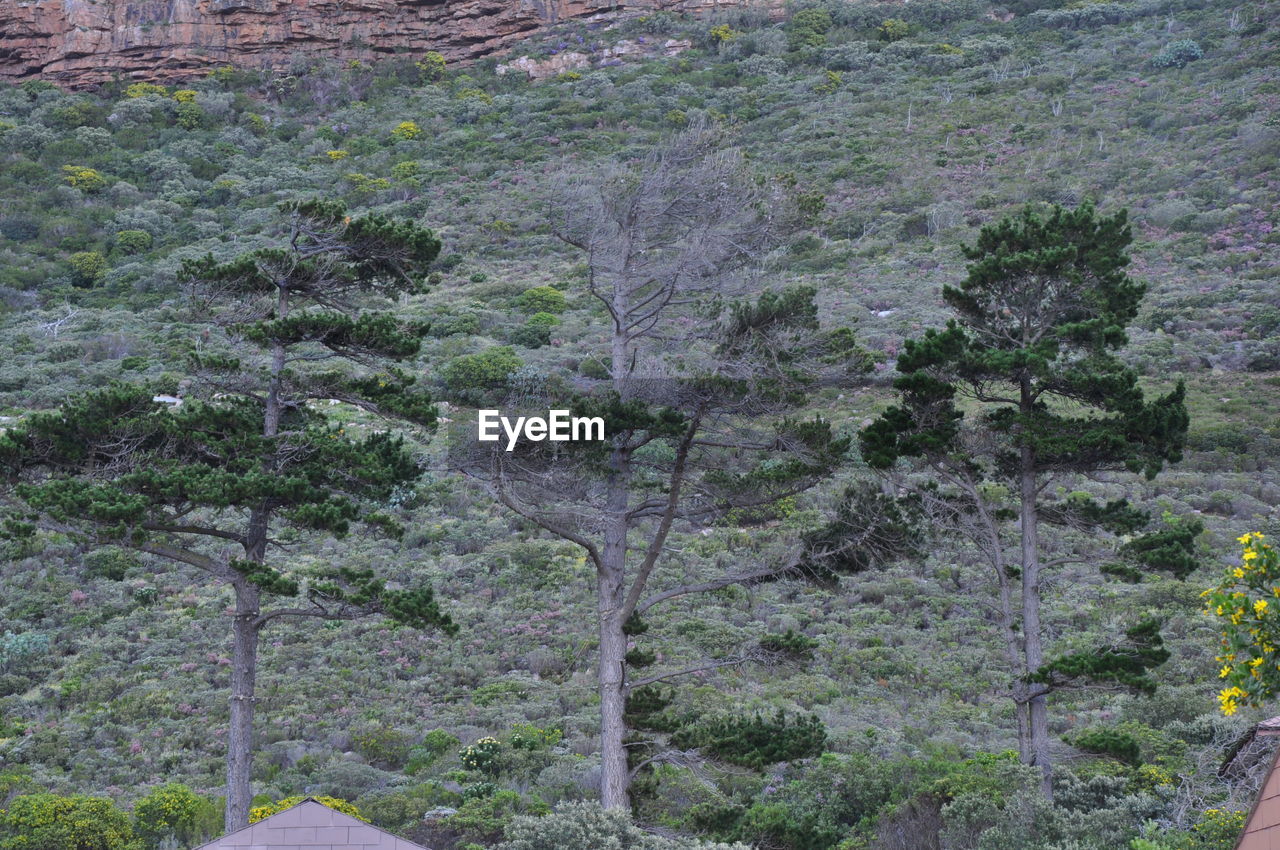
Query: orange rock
[{"x": 85, "y": 43}]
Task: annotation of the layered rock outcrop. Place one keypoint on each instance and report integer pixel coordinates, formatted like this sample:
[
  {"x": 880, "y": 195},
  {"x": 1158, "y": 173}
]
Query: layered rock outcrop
[{"x": 84, "y": 43}]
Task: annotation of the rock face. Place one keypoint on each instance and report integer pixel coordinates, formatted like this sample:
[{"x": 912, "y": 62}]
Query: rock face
[{"x": 84, "y": 43}]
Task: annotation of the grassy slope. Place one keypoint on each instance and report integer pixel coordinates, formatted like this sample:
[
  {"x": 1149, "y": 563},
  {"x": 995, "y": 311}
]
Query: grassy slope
[{"x": 913, "y": 151}]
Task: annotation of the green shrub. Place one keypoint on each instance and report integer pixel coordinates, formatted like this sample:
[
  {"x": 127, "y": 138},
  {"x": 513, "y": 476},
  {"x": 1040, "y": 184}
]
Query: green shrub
[
  {"x": 400, "y": 809},
  {"x": 466, "y": 324},
  {"x": 1109, "y": 742},
  {"x": 133, "y": 241},
  {"x": 483, "y": 818},
  {"x": 790, "y": 643},
  {"x": 542, "y": 299},
  {"x": 474, "y": 94},
  {"x": 19, "y": 650},
  {"x": 407, "y": 172},
  {"x": 383, "y": 747},
  {"x": 526, "y": 736},
  {"x": 434, "y": 745},
  {"x": 593, "y": 367},
  {"x": 19, "y": 228},
  {"x": 832, "y": 82},
  {"x": 784, "y": 826},
  {"x": 536, "y": 331},
  {"x": 586, "y": 826},
  {"x": 472, "y": 374},
  {"x": 109, "y": 563},
  {"x": 647, "y": 709},
  {"x": 808, "y": 28},
  {"x": 893, "y": 29},
  {"x": 482, "y": 756},
  {"x": 1177, "y": 54},
  {"x": 477, "y": 790},
  {"x": 87, "y": 268},
  {"x": 756, "y": 741},
  {"x": 189, "y": 116}
]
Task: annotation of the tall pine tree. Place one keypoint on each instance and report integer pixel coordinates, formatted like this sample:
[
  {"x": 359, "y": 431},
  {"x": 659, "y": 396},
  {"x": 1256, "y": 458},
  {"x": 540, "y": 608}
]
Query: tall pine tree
[
  {"x": 248, "y": 455},
  {"x": 1017, "y": 399},
  {"x": 703, "y": 397}
]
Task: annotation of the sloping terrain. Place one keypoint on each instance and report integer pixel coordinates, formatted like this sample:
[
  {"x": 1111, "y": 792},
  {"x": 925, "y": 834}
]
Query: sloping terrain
[{"x": 914, "y": 137}]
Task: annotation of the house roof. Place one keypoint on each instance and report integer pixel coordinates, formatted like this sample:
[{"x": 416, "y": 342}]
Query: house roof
[
  {"x": 1262, "y": 828},
  {"x": 310, "y": 826}
]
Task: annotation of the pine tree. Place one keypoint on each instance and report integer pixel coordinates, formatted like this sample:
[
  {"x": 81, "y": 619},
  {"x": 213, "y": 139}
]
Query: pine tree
[
  {"x": 248, "y": 455},
  {"x": 701, "y": 402},
  {"x": 1023, "y": 392}
]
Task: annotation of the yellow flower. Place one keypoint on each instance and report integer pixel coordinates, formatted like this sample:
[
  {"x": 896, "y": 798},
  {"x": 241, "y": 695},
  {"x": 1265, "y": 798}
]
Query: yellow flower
[
  {"x": 1245, "y": 538},
  {"x": 1226, "y": 671},
  {"x": 1249, "y": 555},
  {"x": 1238, "y": 573},
  {"x": 1229, "y": 700},
  {"x": 1260, "y": 607}
]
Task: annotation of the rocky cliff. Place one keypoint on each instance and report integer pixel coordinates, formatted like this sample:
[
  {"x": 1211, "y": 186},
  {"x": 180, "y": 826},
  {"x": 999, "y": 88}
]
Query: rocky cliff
[{"x": 83, "y": 43}]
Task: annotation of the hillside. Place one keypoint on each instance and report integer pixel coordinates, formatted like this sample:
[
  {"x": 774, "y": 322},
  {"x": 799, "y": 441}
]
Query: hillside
[{"x": 113, "y": 679}]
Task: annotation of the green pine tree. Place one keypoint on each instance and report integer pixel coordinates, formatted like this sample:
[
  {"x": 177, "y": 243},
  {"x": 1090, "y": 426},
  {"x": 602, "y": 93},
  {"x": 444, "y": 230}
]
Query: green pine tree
[
  {"x": 1022, "y": 394},
  {"x": 248, "y": 455}
]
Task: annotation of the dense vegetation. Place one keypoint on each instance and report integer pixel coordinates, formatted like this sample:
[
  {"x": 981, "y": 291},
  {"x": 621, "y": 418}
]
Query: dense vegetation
[{"x": 875, "y": 711}]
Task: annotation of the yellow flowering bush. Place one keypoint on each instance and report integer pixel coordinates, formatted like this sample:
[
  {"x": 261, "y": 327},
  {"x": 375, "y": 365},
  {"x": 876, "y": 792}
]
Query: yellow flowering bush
[
  {"x": 143, "y": 89},
  {"x": 474, "y": 94},
  {"x": 1220, "y": 825},
  {"x": 185, "y": 95},
  {"x": 337, "y": 155},
  {"x": 432, "y": 66},
  {"x": 51, "y": 822},
  {"x": 258, "y": 813},
  {"x": 406, "y": 131},
  {"x": 364, "y": 183},
  {"x": 1150, "y": 776},
  {"x": 1247, "y": 600},
  {"x": 721, "y": 33},
  {"x": 169, "y": 811},
  {"x": 84, "y": 178}
]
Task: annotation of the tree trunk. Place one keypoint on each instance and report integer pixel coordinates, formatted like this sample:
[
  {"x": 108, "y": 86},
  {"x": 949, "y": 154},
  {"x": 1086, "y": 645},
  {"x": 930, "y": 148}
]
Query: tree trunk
[
  {"x": 614, "y": 772},
  {"x": 244, "y": 671},
  {"x": 1025, "y": 753},
  {"x": 245, "y": 629},
  {"x": 1037, "y": 704}
]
